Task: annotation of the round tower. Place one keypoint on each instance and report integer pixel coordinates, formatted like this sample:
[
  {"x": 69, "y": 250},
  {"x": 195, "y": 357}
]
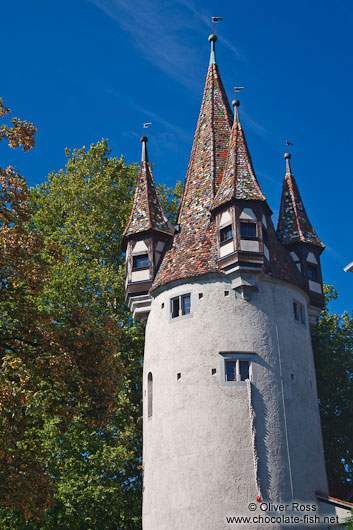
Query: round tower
[{"x": 231, "y": 419}]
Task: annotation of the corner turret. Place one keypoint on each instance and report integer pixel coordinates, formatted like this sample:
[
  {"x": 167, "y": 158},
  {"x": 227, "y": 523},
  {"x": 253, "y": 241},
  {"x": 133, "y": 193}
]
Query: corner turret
[
  {"x": 297, "y": 234},
  {"x": 144, "y": 239}
]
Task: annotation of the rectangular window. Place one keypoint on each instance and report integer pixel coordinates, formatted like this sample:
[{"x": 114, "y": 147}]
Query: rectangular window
[
  {"x": 244, "y": 370},
  {"x": 175, "y": 307},
  {"x": 140, "y": 262},
  {"x": 237, "y": 369},
  {"x": 299, "y": 312},
  {"x": 226, "y": 234},
  {"x": 265, "y": 235},
  {"x": 231, "y": 370},
  {"x": 185, "y": 304},
  {"x": 312, "y": 273},
  {"x": 180, "y": 305},
  {"x": 248, "y": 230}
]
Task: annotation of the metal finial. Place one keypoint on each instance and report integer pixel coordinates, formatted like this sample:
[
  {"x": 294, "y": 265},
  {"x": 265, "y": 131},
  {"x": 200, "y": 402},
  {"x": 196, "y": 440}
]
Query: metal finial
[
  {"x": 287, "y": 157},
  {"x": 144, "y": 155},
  {"x": 212, "y": 38},
  {"x": 236, "y": 104}
]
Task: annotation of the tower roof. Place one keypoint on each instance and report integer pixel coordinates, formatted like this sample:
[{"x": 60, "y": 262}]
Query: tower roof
[
  {"x": 209, "y": 150},
  {"x": 194, "y": 248},
  {"x": 239, "y": 180},
  {"x": 293, "y": 223},
  {"x": 147, "y": 212}
]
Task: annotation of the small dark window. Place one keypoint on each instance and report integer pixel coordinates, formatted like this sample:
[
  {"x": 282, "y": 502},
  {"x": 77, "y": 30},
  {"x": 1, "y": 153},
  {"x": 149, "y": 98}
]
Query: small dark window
[
  {"x": 244, "y": 370},
  {"x": 178, "y": 376},
  {"x": 312, "y": 273},
  {"x": 175, "y": 307},
  {"x": 185, "y": 304},
  {"x": 296, "y": 311},
  {"x": 140, "y": 262},
  {"x": 214, "y": 371},
  {"x": 248, "y": 230},
  {"x": 231, "y": 370},
  {"x": 226, "y": 234}
]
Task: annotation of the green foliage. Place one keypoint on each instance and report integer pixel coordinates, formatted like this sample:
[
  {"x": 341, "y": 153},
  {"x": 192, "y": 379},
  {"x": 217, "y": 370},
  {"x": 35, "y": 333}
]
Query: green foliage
[
  {"x": 170, "y": 199},
  {"x": 332, "y": 340},
  {"x": 87, "y": 433}
]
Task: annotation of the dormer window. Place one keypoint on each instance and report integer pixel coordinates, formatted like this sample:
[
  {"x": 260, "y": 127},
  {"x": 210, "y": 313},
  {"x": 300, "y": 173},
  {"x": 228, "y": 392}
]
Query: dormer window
[
  {"x": 140, "y": 262},
  {"x": 226, "y": 234},
  {"x": 248, "y": 230}
]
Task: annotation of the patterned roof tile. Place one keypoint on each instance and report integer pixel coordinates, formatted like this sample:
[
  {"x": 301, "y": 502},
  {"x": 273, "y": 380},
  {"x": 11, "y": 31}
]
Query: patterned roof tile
[
  {"x": 239, "y": 180},
  {"x": 293, "y": 223},
  {"x": 147, "y": 212}
]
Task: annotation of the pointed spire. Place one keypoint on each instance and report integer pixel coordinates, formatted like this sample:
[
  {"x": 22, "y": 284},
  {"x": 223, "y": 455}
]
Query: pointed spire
[
  {"x": 194, "y": 247},
  {"x": 209, "y": 149},
  {"x": 212, "y": 38},
  {"x": 147, "y": 212},
  {"x": 239, "y": 180},
  {"x": 293, "y": 223}
]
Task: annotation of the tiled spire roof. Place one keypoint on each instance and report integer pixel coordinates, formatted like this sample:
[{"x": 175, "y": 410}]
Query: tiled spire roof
[
  {"x": 293, "y": 223},
  {"x": 194, "y": 249},
  {"x": 147, "y": 211},
  {"x": 239, "y": 180},
  {"x": 209, "y": 149}
]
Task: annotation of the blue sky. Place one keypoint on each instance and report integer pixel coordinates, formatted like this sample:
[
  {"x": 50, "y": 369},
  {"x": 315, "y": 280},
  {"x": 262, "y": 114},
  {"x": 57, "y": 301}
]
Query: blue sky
[{"x": 83, "y": 70}]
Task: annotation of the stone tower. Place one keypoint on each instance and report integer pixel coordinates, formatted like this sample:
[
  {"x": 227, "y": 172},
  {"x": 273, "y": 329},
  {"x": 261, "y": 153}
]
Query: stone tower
[{"x": 230, "y": 403}]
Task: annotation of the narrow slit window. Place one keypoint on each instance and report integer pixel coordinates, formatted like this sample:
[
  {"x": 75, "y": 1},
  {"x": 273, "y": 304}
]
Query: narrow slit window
[
  {"x": 226, "y": 234},
  {"x": 248, "y": 230},
  {"x": 299, "y": 312},
  {"x": 150, "y": 394},
  {"x": 140, "y": 262}
]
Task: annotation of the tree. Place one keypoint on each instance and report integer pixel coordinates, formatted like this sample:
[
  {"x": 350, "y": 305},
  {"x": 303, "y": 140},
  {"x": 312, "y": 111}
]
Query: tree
[
  {"x": 62, "y": 356},
  {"x": 332, "y": 340}
]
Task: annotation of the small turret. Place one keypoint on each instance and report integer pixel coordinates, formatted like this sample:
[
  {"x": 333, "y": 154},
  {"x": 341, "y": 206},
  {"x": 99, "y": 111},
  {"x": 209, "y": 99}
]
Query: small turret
[
  {"x": 144, "y": 239},
  {"x": 240, "y": 208},
  {"x": 299, "y": 237}
]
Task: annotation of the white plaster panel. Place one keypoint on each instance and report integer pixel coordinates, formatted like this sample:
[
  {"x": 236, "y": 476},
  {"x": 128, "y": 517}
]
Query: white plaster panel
[
  {"x": 311, "y": 258},
  {"x": 299, "y": 267},
  {"x": 251, "y": 246},
  {"x": 294, "y": 256},
  {"x": 157, "y": 255},
  {"x": 267, "y": 253},
  {"x": 226, "y": 249},
  {"x": 226, "y": 218},
  {"x": 247, "y": 213},
  {"x": 139, "y": 276},
  {"x": 264, "y": 222},
  {"x": 160, "y": 246},
  {"x": 198, "y": 461},
  {"x": 315, "y": 286},
  {"x": 140, "y": 247}
]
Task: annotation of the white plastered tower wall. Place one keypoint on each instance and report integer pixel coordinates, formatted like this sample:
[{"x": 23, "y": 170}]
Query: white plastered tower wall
[{"x": 199, "y": 462}]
